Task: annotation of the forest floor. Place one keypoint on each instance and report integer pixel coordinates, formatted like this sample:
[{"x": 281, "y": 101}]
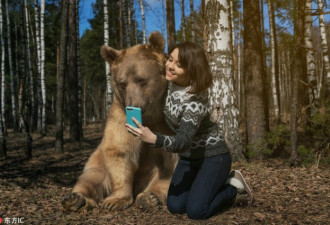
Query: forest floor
[{"x": 31, "y": 190}]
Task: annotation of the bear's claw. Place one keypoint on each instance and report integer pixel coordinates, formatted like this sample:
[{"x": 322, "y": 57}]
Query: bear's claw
[
  {"x": 73, "y": 202},
  {"x": 147, "y": 200},
  {"x": 112, "y": 204}
]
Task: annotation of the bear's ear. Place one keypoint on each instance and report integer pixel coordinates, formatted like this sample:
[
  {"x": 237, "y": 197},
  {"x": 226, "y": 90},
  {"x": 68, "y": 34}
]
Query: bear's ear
[
  {"x": 157, "y": 41},
  {"x": 109, "y": 54}
]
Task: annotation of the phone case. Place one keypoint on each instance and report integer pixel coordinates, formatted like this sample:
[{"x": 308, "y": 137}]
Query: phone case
[{"x": 133, "y": 112}]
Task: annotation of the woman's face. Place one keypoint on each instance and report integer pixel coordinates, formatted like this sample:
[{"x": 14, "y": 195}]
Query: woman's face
[{"x": 174, "y": 71}]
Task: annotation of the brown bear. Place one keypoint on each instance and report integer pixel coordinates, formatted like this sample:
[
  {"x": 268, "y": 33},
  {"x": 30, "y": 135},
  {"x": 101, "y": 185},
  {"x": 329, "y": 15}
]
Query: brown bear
[{"x": 122, "y": 168}]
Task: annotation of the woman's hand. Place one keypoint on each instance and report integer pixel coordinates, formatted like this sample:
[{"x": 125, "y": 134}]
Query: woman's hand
[{"x": 143, "y": 133}]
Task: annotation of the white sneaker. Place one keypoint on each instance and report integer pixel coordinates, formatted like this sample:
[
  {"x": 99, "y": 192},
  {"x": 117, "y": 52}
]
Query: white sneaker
[{"x": 237, "y": 180}]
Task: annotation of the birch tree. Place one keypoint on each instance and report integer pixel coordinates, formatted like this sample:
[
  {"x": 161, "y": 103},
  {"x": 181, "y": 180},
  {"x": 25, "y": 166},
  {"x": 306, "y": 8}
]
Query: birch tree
[
  {"x": 254, "y": 78},
  {"x": 310, "y": 59},
  {"x": 42, "y": 66},
  {"x": 143, "y": 22},
  {"x": 324, "y": 44},
  {"x": 274, "y": 61},
  {"x": 3, "y": 75},
  {"x": 38, "y": 59},
  {"x": 222, "y": 95},
  {"x": 107, "y": 66},
  {"x": 11, "y": 72}
]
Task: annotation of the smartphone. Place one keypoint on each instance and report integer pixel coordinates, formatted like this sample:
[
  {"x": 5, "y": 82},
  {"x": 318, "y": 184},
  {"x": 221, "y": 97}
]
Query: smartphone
[{"x": 133, "y": 112}]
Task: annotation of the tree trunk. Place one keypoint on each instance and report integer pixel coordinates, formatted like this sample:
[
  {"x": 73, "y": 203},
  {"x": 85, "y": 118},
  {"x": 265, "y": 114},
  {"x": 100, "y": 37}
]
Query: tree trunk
[
  {"x": 3, "y": 149},
  {"x": 38, "y": 48},
  {"x": 3, "y": 75},
  {"x": 42, "y": 66},
  {"x": 121, "y": 27},
  {"x": 170, "y": 23},
  {"x": 72, "y": 74},
  {"x": 239, "y": 74},
  {"x": 79, "y": 76},
  {"x": 274, "y": 62},
  {"x": 11, "y": 70},
  {"x": 310, "y": 59},
  {"x": 126, "y": 19},
  {"x": 183, "y": 22},
  {"x": 21, "y": 103},
  {"x": 254, "y": 78},
  {"x": 192, "y": 22},
  {"x": 325, "y": 51},
  {"x": 60, "y": 79},
  {"x": 299, "y": 68},
  {"x": 222, "y": 94},
  {"x": 143, "y": 23},
  {"x": 28, "y": 50},
  {"x": 107, "y": 66}
]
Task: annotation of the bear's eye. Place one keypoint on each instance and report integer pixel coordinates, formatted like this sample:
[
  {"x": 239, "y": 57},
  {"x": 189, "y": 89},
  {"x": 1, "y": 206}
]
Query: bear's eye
[{"x": 142, "y": 82}]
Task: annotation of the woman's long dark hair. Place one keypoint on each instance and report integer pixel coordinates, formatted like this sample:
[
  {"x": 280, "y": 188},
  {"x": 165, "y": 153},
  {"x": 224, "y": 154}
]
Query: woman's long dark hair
[{"x": 194, "y": 61}]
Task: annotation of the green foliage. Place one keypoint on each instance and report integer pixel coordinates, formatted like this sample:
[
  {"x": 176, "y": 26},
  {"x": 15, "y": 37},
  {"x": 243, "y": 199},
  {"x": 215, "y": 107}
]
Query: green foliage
[
  {"x": 275, "y": 141},
  {"x": 278, "y": 138},
  {"x": 260, "y": 148}
]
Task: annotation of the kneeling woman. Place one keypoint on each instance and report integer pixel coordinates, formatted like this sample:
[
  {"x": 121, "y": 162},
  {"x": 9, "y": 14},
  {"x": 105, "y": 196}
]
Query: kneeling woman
[{"x": 201, "y": 185}]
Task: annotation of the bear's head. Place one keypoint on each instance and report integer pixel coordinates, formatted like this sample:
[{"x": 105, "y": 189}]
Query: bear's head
[{"x": 138, "y": 73}]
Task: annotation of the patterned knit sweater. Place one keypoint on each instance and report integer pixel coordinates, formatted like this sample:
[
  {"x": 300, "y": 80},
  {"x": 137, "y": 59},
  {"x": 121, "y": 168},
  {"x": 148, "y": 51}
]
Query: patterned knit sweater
[{"x": 187, "y": 115}]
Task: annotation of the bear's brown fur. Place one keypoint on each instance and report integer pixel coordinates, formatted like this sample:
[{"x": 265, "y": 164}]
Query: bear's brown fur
[{"x": 122, "y": 167}]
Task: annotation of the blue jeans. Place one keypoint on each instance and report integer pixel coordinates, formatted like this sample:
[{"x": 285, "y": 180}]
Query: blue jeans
[{"x": 198, "y": 187}]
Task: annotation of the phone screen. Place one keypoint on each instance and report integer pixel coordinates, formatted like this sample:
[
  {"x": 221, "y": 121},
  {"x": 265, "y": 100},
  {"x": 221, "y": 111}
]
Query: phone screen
[{"x": 133, "y": 112}]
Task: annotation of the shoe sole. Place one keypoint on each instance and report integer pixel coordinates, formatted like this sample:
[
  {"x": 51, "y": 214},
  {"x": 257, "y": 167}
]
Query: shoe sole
[{"x": 246, "y": 187}]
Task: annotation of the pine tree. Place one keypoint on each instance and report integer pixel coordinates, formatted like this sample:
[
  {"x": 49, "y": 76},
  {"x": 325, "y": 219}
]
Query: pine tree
[
  {"x": 254, "y": 78},
  {"x": 60, "y": 79}
]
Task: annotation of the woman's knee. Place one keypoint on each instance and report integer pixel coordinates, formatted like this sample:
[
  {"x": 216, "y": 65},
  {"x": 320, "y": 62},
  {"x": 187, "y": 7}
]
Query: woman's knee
[
  {"x": 174, "y": 206},
  {"x": 197, "y": 212}
]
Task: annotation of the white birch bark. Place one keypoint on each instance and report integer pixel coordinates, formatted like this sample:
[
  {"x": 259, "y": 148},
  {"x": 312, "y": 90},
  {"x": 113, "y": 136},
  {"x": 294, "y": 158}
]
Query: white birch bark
[
  {"x": 192, "y": 22},
  {"x": 38, "y": 58},
  {"x": 28, "y": 51},
  {"x": 231, "y": 6},
  {"x": 107, "y": 66},
  {"x": 222, "y": 95},
  {"x": 143, "y": 22},
  {"x": 11, "y": 71},
  {"x": 42, "y": 66},
  {"x": 183, "y": 22},
  {"x": 3, "y": 75},
  {"x": 273, "y": 59},
  {"x": 324, "y": 44},
  {"x": 310, "y": 58}
]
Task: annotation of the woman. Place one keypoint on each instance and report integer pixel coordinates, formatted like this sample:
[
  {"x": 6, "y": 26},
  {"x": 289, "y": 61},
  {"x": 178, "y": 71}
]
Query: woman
[{"x": 201, "y": 184}]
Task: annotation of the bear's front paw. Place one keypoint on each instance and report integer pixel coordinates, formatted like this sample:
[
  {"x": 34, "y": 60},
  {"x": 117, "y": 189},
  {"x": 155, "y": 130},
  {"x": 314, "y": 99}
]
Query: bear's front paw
[
  {"x": 113, "y": 203},
  {"x": 148, "y": 200},
  {"x": 73, "y": 202}
]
